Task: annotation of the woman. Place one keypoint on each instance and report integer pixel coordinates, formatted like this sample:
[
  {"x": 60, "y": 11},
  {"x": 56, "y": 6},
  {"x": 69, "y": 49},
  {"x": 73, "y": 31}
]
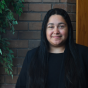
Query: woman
[{"x": 58, "y": 62}]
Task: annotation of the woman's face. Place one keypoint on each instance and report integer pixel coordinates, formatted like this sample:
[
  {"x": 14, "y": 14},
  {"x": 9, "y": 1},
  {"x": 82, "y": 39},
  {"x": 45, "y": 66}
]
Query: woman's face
[{"x": 56, "y": 30}]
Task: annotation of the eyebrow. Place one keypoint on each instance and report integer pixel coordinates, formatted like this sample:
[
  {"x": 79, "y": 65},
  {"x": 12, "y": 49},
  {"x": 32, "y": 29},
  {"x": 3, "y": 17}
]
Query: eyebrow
[{"x": 53, "y": 23}]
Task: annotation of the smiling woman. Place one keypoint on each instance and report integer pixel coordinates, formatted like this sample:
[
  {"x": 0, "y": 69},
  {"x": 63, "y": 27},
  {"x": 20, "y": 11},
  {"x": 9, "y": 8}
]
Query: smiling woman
[
  {"x": 57, "y": 32},
  {"x": 58, "y": 62}
]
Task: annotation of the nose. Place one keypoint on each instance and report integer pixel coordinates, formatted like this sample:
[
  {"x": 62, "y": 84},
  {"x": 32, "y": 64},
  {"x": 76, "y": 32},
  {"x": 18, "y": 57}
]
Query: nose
[{"x": 56, "y": 30}]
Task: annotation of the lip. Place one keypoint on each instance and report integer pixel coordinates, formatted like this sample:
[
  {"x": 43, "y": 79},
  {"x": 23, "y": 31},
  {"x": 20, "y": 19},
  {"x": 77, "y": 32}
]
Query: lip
[{"x": 56, "y": 36}]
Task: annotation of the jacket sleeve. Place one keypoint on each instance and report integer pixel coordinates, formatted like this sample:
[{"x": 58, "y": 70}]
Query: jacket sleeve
[{"x": 21, "y": 81}]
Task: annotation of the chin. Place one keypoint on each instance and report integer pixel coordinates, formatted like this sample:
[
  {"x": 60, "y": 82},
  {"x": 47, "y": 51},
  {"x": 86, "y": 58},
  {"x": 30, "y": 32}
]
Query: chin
[{"x": 57, "y": 44}]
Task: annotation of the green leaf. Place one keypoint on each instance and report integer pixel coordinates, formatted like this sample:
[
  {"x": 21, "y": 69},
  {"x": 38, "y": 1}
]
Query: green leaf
[
  {"x": 0, "y": 29},
  {"x": 0, "y": 37},
  {"x": 11, "y": 64},
  {"x": 13, "y": 32},
  {"x": 12, "y": 76},
  {"x": 22, "y": 0},
  {"x": 11, "y": 51},
  {"x": 0, "y": 10},
  {"x": 8, "y": 43},
  {"x": 7, "y": 48},
  {"x": 5, "y": 59},
  {"x": 10, "y": 16},
  {"x": 3, "y": 1},
  {"x": 6, "y": 70},
  {"x": 6, "y": 9},
  {"x": 3, "y": 30},
  {"x": 7, "y": 20},
  {"x": 4, "y": 54},
  {"x": 14, "y": 22},
  {"x": 10, "y": 73},
  {"x": 13, "y": 28},
  {"x": 12, "y": 56},
  {"x": 20, "y": 9},
  {"x": 1, "y": 60},
  {"x": 2, "y": 6},
  {"x": 0, "y": 51}
]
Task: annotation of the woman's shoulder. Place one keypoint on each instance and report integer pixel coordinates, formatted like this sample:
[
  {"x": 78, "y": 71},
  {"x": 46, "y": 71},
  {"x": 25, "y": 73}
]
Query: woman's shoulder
[
  {"x": 30, "y": 54},
  {"x": 83, "y": 53},
  {"x": 32, "y": 51},
  {"x": 82, "y": 50},
  {"x": 82, "y": 47}
]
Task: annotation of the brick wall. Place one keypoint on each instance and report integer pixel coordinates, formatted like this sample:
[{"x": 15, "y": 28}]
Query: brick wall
[{"x": 27, "y": 34}]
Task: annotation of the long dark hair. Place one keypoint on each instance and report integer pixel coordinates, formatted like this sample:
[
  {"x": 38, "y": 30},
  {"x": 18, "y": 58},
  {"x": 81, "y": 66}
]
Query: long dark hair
[{"x": 38, "y": 68}]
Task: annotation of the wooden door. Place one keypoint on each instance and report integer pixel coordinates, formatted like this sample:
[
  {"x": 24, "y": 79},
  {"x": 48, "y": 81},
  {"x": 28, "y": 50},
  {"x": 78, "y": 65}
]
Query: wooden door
[{"x": 82, "y": 22}]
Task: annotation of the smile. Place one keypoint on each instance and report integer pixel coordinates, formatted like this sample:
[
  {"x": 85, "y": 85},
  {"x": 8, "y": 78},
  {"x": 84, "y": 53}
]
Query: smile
[{"x": 56, "y": 36}]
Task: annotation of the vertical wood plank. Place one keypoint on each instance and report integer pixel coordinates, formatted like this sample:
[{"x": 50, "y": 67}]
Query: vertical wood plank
[{"x": 82, "y": 22}]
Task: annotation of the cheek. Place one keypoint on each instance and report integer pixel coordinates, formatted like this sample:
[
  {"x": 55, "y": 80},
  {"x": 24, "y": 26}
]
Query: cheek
[
  {"x": 64, "y": 33},
  {"x": 48, "y": 34}
]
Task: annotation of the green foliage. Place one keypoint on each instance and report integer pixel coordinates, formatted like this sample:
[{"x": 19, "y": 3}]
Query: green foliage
[{"x": 7, "y": 20}]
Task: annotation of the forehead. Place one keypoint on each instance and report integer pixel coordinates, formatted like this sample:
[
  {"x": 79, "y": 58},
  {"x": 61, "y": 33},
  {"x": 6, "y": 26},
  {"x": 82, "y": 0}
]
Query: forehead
[{"x": 55, "y": 19}]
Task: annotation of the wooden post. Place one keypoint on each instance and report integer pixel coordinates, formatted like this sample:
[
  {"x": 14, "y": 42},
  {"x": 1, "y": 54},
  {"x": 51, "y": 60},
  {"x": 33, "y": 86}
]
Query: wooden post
[{"x": 82, "y": 22}]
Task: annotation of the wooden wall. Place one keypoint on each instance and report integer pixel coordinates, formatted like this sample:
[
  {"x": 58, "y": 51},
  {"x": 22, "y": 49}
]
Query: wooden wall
[{"x": 82, "y": 22}]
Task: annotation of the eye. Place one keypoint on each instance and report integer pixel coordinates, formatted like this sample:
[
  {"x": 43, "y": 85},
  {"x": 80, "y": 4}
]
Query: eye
[
  {"x": 50, "y": 26},
  {"x": 61, "y": 26}
]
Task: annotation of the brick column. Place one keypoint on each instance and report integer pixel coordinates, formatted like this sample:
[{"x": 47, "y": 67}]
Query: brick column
[
  {"x": 71, "y": 9},
  {"x": 27, "y": 34}
]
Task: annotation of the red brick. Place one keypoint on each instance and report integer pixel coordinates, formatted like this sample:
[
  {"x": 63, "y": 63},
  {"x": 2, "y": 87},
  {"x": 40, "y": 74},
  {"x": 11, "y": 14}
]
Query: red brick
[
  {"x": 14, "y": 70},
  {"x": 1, "y": 65},
  {"x": 62, "y": 6},
  {"x": 39, "y": 7},
  {"x": 35, "y": 25},
  {"x": 33, "y": 0},
  {"x": 19, "y": 69},
  {"x": 43, "y": 15},
  {"x": 33, "y": 43},
  {"x": 18, "y": 44},
  {"x": 71, "y": 8},
  {"x": 71, "y": 1},
  {"x": 1, "y": 79},
  {"x": 18, "y": 61},
  {"x": 63, "y": 0},
  {"x": 25, "y": 8},
  {"x": 74, "y": 25},
  {"x": 72, "y": 16},
  {"x": 21, "y": 26},
  {"x": 29, "y": 35},
  {"x": 30, "y": 16},
  {"x": 74, "y": 35},
  {"x": 7, "y": 86},
  {"x": 9, "y": 35},
  {"x": 51, "y": 0},
  {"x": 10, "y": 80},
  {"x": 22, "y": 52},
  {"x": 2, "y": 70}
]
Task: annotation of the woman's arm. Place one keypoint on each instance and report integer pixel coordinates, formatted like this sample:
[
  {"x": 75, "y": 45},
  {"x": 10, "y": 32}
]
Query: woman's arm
[{"x": 23, "y": 76}]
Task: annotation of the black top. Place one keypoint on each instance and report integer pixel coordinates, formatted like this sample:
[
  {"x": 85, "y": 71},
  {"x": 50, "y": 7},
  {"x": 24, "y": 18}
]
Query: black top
[{"x": 55, "y": 71}]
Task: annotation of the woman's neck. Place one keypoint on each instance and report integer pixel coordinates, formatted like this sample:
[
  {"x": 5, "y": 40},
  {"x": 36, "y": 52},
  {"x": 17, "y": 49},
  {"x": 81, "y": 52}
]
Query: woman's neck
[{"x": 57, "y": 49}]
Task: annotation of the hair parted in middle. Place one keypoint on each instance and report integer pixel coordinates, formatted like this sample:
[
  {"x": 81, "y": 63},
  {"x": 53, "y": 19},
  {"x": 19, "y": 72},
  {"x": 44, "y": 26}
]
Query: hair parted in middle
[{"x": 38, "y": 68}]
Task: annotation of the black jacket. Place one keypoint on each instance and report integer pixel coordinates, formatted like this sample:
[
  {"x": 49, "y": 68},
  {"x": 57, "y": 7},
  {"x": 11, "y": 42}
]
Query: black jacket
[{"x": 23, "y": 76}]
